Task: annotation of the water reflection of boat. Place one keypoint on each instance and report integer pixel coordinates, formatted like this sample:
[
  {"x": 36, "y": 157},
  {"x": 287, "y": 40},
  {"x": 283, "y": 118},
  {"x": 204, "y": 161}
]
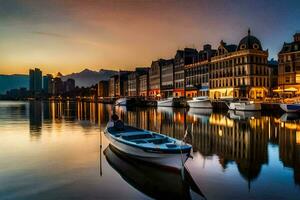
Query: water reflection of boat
[
  {"x": 290, "y": 108},
  {"x": 149, "y": 146},
  {"x": 290, "y": 117},
  {"x": 168, "y": 110},
  {"x": 155, "y": 182},
  {"x": 239, "y": 115},
  {"x": 200, "y": 113}
]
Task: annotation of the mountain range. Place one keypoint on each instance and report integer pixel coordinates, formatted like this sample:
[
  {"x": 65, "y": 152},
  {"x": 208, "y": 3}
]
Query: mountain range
[
  {"x": 84, "y": 78},
  {"x": 8, "y": 82},
  {"x": 88, "y": 77}
]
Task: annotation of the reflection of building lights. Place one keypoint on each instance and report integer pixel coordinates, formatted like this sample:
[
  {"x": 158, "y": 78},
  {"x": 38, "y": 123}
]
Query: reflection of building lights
[
  {"x": 252, "y": 118},
  {"x": 298, "y": 137},
  {"x": 282, "y": 124},
  {"x": 220, "y": 133}
]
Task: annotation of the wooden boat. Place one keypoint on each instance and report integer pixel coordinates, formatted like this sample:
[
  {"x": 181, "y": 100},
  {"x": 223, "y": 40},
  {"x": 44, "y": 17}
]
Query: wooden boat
[
  {"x": 148, "y": 146},
  {"x": 153, "y": 181},
  {"x": 200, "y": 102},
  {"x": 293, "y": 107}
]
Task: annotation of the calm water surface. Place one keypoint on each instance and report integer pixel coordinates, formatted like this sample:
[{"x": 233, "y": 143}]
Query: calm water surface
[{"x": 56, "y": 151}]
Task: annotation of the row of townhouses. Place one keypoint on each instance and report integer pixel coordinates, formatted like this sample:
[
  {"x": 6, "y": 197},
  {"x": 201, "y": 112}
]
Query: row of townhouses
[{"x": 229, "y": 71}]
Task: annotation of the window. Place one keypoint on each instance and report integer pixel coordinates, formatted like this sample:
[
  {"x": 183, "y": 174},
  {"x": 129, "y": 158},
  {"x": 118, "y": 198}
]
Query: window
[
  {"x": 287, "y": 68},
  {"x": 255, "y": 46},
  {"x": 287, "y": 79},
  {"x": 297, "y": 78}
]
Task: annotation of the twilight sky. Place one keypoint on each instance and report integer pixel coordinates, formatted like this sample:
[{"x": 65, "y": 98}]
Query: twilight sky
[{"x": 71, "y": 35}]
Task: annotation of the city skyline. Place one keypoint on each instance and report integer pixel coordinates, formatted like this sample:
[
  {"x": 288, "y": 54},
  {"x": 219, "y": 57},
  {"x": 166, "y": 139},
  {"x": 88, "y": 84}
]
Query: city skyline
[{"x": 70, "y": 36}]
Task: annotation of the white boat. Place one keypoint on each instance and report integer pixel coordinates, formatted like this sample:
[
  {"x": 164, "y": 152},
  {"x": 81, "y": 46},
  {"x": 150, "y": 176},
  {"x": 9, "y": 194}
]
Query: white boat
[
  {"x": 293, "y": 107},
  {"x": 245, "y": 105},
  {"x": 149, "y": 146},
  {"x": 200, "y": 102},
  {"x": 165, "y": 102},
  {"x": 124, "y": 102}
]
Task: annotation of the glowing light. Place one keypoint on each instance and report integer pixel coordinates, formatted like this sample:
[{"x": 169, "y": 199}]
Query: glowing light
[{"x": 220, "y": 133}]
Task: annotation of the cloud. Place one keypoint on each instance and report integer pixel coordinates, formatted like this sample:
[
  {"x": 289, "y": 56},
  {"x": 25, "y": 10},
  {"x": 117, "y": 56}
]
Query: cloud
[
  {"x": 56, "y": 35},
  {"x": 78, "y": 40}
]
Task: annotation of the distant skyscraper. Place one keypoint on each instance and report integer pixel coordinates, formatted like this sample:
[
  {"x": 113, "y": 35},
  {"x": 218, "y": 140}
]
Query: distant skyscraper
[
  {"x": 69, "y": 85},
  {"x": 47, "y": 84},
  {"x": 35, "y": 80}
]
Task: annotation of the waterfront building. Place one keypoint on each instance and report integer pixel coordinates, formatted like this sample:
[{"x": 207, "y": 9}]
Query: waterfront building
[
  {"x": 118, "y": 84},
  {"x": 289, "y": 67},
  {"x": 35, "y": 81},
  {"x": 240, "y": 70},
  {"x": 197, "y": 74},
  {"x": 167, "y": 78},
  {"x": 155, "y": 78},
  {"x": 112, "y": 85},
  {"x": 58, "y": 86},
  {"x": 69, "y": 85},
  {"x": 144, "y": 84},
  {"x": 103, "y": 88},
  {"x": 182, "y": 58},
  {"x": 47, "y": 84},
  {"x": 133, "y": 81},
  {"x": 273, "y": 66},
  {"x": 122, "y": 84}
]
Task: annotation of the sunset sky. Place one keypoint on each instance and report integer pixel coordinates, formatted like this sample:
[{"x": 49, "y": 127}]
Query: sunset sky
[{"x": 69, "y": 36}]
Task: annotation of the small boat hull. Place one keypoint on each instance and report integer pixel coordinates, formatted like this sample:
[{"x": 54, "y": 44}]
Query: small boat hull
[
  {"x": 200, "y": 103},
  {"x": 169, "y": 153},
  {"x": 124, "y": 102},
  {"x": 290, "y": 107},
  {"x": 174, "y": 161},
  {"x": 243, "y": 106},
  {"x": 165, "y": 103}
]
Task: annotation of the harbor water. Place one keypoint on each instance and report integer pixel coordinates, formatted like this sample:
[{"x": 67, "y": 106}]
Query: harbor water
[{"x": 57, "y": 150}]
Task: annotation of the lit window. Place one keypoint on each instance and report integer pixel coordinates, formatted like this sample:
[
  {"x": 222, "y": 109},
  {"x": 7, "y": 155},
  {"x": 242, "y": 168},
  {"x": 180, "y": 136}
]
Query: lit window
[{"x": 297, "y": 78}]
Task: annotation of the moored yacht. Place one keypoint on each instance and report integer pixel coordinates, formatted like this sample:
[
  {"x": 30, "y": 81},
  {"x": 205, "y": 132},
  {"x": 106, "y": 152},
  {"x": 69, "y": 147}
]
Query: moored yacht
[
  {"x": 169, "y": 102},
  {"x": 124, "y": 102},
  {"x": 290, "y": 107},
  {"x": 200, "y": 102},
  {"x": 245, "y": 105}
]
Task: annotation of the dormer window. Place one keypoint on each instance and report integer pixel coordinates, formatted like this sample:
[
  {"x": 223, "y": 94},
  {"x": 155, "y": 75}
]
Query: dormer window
[
  {"x": 255, "y": 46},
  {"x": 243, "y": 46}
]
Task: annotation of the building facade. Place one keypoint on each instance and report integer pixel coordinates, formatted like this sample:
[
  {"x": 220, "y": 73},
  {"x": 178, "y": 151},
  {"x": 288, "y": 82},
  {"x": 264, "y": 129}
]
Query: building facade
[
  {"x": 155, "y": 78},
  {"x": 197, "y": 74},
  {"x": 112, "y": 85},
  {"x": 240, "y": 71},
  {"x": 134, "y": 82},
  {"x": 182, "y": 58},
  {"x": 47, "y": 84},
  {"x": 167, "y": 78},
  {"x": 289, "y": 67},
  {"x": 144, "y": 85},
  {"x": 35, "y": 81},
  {"x": 103, "y": 88},
  {"x": 58, "y": 86},
  {"x": 69, "y": 85}
]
